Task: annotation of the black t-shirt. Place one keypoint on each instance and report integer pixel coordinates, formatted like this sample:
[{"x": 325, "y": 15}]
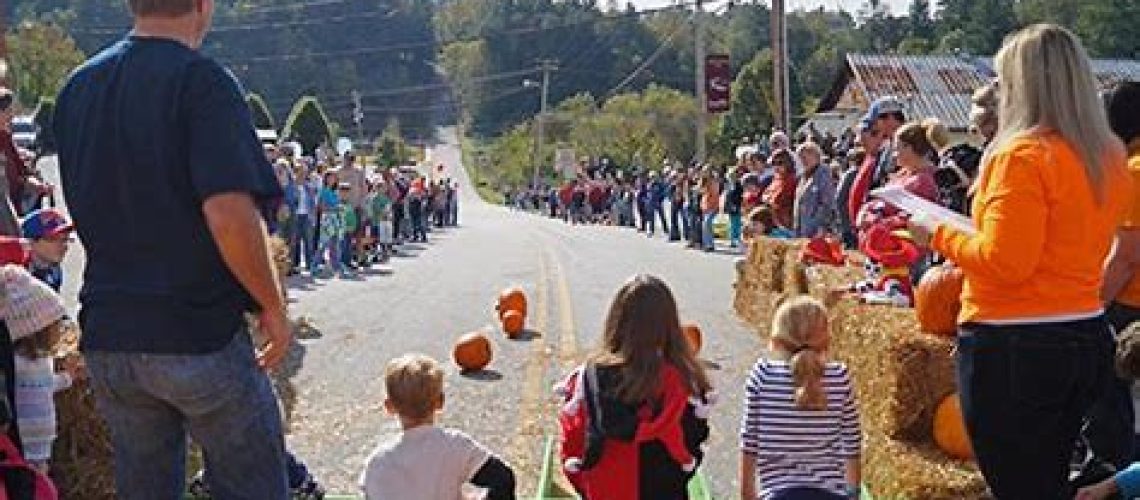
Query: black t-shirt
[{"x": 147, "y": 130}]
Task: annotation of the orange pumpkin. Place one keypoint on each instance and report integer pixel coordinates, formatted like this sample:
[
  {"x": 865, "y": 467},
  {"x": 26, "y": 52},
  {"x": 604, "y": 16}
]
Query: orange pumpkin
[
  {"x": 950, "y": 429},
  {"x": 937, "y": 300},
  {"x": 693, "y": 335},
  {"x": 512, "y": 299},
  {"x": 472, "y": 352},
  {"x": 513, "y": 323}
]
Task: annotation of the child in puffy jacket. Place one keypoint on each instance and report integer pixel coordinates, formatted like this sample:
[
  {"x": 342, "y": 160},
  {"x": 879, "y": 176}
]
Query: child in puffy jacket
[{"x": 635, "y": 416}]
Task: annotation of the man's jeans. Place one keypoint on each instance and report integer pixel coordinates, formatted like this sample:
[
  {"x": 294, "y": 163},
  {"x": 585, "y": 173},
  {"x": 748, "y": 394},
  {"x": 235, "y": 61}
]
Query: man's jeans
[{"x": 222, "y": 399}]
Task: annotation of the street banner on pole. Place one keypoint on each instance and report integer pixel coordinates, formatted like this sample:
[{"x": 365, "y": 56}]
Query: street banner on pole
[
  {"x": 566, "y": 163},
  {"x": 718, "y": 83}
]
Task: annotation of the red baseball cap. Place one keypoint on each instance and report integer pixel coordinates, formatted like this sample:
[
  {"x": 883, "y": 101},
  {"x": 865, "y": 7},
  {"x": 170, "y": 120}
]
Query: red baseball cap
[{"x": 45, "y": 222}]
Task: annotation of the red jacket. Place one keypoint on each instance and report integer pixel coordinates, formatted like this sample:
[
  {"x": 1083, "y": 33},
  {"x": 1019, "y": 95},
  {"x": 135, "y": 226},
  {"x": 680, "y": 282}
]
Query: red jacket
[
  {"x": 678, "y": 427},
  {"x": 14, "y": 168}
]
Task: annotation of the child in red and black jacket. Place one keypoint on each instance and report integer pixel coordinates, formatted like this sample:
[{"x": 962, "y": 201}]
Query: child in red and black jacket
[{"x": 635, "y": 416}]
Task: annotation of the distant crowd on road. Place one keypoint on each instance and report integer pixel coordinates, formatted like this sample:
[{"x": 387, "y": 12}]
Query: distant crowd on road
[{"x": 337, "y": 217}]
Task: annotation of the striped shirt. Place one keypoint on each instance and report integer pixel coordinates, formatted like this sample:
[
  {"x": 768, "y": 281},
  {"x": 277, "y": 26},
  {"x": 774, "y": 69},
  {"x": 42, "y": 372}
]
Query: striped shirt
[{"x": 794, "y": 447}]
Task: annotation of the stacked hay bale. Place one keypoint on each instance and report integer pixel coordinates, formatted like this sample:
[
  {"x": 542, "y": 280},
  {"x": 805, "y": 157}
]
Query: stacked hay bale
[
  {"x": 82, "y": 457},
  {"x": 900, "y": 374}
]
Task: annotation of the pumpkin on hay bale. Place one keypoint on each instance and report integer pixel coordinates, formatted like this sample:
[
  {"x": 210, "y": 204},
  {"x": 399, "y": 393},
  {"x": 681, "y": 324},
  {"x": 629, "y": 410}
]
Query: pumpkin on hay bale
[
  {"x": 950, "y": 429},
  {"x": 937, "y": 300}
]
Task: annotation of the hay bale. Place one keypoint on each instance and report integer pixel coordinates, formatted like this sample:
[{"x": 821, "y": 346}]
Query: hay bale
[
  {"x": 907, "y": 371},
  {"x": 896, "y": 469},
  {"x": 82, "y": 455}
]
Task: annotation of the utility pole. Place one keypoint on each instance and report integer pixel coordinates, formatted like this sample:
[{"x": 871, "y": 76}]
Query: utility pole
[
  {"x": 4, "y": 43},
  {"x": 546, "y": 66},
  {"x": 702, "y": 98},
  {"x": 780, "y": 65},
  {"x": 358, "y": 116}
]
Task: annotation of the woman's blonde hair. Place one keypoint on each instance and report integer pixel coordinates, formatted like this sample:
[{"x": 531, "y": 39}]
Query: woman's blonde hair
[
  {"x": 1046, "y": 82},
  {"x": 936, "y": 134},
  {"x": 794, "y": 327}
]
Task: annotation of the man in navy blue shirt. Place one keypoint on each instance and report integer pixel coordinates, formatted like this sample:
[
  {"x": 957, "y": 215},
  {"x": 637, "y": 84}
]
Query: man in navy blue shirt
[{"x": 165, "y": 179}]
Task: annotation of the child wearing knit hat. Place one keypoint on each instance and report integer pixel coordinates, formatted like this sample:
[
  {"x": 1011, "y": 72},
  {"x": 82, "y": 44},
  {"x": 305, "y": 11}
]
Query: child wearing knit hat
[{"x": 35, "y": 317}]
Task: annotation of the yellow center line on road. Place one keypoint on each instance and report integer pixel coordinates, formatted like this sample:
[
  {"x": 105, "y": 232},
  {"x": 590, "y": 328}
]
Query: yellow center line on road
[
  {"x": 531, "y": 426},
  {"x": 568, "y": 332}
]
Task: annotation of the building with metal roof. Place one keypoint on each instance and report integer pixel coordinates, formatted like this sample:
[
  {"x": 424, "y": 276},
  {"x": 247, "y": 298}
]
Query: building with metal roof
[{"x": 937, "y": 86}]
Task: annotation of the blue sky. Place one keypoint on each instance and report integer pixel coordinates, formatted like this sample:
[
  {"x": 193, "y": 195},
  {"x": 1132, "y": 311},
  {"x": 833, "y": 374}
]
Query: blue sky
[{"x": 897, "y": 6}]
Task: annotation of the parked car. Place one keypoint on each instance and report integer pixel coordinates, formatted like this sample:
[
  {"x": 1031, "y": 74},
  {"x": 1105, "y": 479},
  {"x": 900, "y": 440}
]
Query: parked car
[{"x": 24, "y": 132}]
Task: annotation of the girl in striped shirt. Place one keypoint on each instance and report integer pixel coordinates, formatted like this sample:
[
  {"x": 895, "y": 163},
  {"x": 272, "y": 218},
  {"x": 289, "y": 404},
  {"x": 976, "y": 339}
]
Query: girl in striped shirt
[{"x": 800, "y": 435}]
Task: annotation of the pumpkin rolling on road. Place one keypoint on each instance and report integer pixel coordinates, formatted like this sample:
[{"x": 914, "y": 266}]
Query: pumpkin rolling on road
[
  {"x": 512, "y": 299},
  {"x": 693, "y": 335},
  {"x": 472, "y": 352},
  {"x": 513, "y": 323}
]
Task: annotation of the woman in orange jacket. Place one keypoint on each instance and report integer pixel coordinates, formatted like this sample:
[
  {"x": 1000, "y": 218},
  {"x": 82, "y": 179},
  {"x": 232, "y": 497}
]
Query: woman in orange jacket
[{"x": 1034, "y": 350}]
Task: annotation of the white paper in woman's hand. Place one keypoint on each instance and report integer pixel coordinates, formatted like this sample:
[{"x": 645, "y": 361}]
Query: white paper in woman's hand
[{"x": 921, "y": 207}]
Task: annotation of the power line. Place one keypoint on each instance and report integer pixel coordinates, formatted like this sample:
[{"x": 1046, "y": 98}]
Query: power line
[{"x": 229, "y": 28}]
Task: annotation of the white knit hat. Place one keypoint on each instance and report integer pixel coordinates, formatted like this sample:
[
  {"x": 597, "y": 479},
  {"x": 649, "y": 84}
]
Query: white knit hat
[{"x": 28, "y": 305}]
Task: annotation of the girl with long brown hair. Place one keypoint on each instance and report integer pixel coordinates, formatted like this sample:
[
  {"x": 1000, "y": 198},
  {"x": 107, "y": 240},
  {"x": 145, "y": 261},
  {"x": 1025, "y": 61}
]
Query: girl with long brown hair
[
  {"x": 800, "y": 433},
  {"x": 635, "y": 414}
]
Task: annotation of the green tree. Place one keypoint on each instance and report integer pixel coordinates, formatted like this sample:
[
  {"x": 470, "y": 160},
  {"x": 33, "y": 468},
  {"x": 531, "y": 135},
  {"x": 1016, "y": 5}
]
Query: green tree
[
  {"x": 753, "y": 99},
  {"x": 40, "y": 58},
  {"x": 262, "y": 117},
  {"x": 308, "y": 124},
  {"x": 920, "y": 21},
  {"x": 1108, "y": 28},
  {"x": 915, "y": 46},
  {"x": 391, "y": 151}
]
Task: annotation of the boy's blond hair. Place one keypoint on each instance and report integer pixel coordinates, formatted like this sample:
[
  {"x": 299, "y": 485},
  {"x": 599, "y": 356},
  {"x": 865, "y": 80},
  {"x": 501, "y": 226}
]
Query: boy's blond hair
[{"x": 414, "y": 383}]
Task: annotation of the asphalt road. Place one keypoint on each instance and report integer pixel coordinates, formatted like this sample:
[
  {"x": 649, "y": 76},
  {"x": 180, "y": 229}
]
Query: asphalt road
[
  {"x": 433, "y": 293},
  {"x": 424, "y": 301}
]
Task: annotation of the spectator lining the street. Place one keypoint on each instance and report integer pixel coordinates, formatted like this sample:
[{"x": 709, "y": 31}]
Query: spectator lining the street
[
  {"x": 814, "y": 206},
  {"x": 781, "y": 193},
  {"x": 427, "y": 462},
  {"x": 35, "y": 314},
  {"x": 710, "y": 207},
  {"x": 18, "y": 181},
  {"x": 1110, "y": 430},
  {"x": 1125, "y": 483},
  {"x": 733, "y": 204},
  {"x": 331, "y": 228},
  {"x": 1052, "y": 190},
  {"x": 48, "y": 232},
  {"x": 800, "y": 436},
  {"x": 641, "y": 435}
]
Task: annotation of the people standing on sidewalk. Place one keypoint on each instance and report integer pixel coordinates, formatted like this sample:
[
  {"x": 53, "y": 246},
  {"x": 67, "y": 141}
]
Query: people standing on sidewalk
[
  {"x": 301, "y": 244},
  {"x": 1034, "y": 349},
  {"x": 164, "y": 177},
  {"x": 733, "y": 207},
  {"x": 1110, "y": 431},
  {"x": 710, "y": 207},
  {"x": 331, "y": 228},
  {"x": 18, "y": 181},
  {"x": 781, "y": 192},
  {"x": 814, "y": 206}
]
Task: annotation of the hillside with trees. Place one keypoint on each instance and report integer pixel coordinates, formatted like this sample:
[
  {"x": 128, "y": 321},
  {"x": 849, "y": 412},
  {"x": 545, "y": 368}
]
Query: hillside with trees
[{"x": 417, "y": 63}]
